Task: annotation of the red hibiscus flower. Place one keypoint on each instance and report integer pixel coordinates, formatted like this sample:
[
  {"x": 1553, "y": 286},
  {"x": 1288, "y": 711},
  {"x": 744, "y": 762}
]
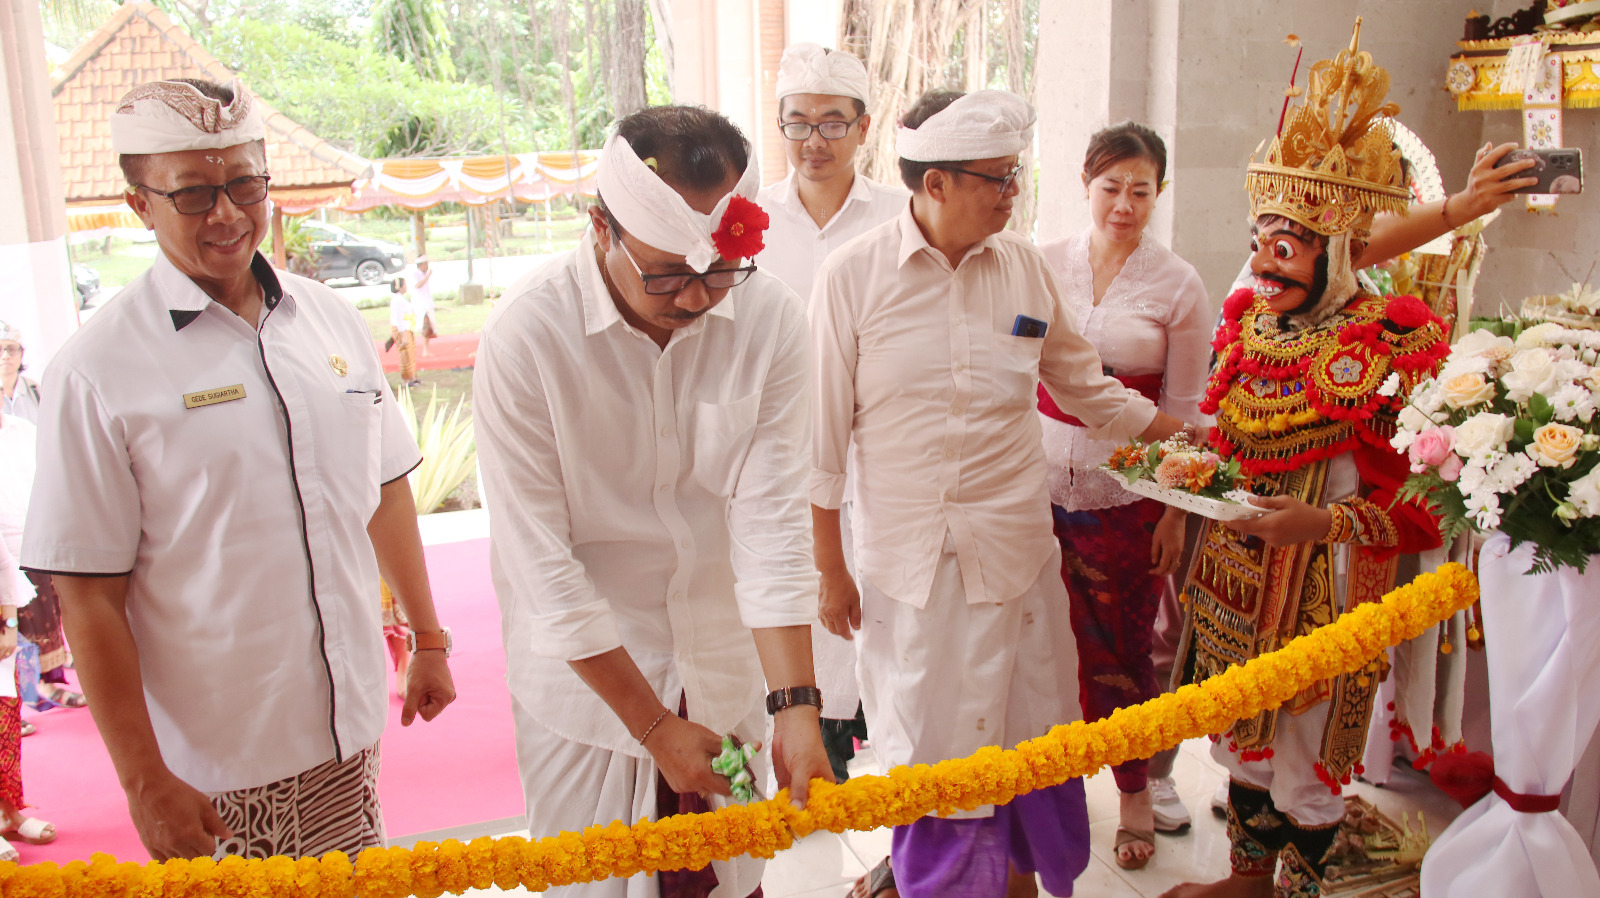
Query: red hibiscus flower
[
  {"x": 739, "y": 235},
  {"x": 1407, "y": 311}
]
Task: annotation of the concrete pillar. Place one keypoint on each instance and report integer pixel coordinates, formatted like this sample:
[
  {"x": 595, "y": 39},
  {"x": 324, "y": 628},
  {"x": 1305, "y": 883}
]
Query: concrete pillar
[{"x": 39, "y": 297}]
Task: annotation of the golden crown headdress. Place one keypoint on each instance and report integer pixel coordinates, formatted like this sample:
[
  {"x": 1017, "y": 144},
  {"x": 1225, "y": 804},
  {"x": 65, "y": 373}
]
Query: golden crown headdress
[{"x": 1333, "y": 163}]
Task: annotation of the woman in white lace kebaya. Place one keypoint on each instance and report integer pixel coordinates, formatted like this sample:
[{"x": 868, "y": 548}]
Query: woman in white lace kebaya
[{"x": 1147, "y": 313}]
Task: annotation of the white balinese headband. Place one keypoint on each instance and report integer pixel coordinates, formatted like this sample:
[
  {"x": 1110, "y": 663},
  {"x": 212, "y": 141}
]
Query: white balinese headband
[
  {"x": 652, "y": 211},
  {"x": 172, "y": 116},
  {"x": 985, "y": 124}
]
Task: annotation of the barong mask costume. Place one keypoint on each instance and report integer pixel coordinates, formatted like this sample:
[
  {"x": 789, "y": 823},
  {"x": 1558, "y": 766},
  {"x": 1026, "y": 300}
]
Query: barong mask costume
[
  {"x": 648, "y": 208},
  {"x": 812, "y": 69},
  {"x": 1332, "y": 166},
  {"x": 173, "y": 116},
  {"x": 985, "y": 124},
  {"x": 1291, "y": 396}
]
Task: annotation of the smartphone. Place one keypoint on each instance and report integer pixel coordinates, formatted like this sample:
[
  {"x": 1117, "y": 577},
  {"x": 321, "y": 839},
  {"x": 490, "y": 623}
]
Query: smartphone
[
  {"x": 1028, "y": 327},
  {"x": 1559, "y": 169}
]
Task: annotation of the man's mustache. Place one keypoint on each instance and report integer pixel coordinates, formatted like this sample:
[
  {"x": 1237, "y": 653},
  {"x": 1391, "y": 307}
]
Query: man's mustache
[{"x": 1281, "y": 281}]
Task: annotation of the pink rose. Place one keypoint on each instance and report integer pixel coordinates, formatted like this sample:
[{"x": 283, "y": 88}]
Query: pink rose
[
  {"x": 1451, "y": 469},
  {"x": 1431, "y": 448}
]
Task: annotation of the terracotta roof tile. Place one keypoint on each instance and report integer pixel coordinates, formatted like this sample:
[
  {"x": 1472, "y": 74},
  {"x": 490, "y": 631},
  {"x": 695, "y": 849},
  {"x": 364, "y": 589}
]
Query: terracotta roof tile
[{"x": 140, "y": 43}]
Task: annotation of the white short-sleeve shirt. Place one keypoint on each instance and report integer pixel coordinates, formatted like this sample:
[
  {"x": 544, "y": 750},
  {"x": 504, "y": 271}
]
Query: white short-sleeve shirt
[{"x": 231, "y": 474}]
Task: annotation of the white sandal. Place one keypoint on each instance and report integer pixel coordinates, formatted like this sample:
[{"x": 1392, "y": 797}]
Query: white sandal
[
  {"x": 33, "y": 831},
  {"x": 8, "y": 853}
]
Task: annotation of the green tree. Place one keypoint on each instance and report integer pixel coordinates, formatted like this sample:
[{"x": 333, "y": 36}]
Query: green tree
[{"x": 418, "y": 32}]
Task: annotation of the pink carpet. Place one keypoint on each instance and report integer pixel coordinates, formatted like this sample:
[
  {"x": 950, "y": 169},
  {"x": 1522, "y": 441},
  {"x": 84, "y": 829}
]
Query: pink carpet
[
  {"x": 452, "y": 351},
  {"x": 460, "y": 769}
]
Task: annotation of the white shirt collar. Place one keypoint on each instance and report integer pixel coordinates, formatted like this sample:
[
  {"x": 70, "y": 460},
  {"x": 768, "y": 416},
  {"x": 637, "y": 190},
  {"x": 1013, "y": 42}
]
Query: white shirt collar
[
  {"x": 911, "y": 240},
  {"x": 185, "y": 300},
  {"x": 860, "y": 191}
]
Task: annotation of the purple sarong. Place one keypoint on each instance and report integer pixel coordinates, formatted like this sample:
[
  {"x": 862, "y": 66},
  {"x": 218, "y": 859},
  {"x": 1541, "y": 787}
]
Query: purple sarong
[{"x": 1045, "y": 831}]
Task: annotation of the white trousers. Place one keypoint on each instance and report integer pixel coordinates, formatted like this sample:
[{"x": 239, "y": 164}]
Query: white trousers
[
  {"x": 947, "y": 679},
  {"x": 569, "y": 786},
  {"x": 1290, "y": 775}
]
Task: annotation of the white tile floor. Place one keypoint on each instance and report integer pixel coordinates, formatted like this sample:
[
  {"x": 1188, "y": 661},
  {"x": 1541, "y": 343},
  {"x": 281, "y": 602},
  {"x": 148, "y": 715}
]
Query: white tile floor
[{"x": 825, "y": 864}]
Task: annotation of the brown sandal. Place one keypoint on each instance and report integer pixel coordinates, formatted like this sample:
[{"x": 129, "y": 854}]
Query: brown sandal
[{"x": 1126, "y": 836}]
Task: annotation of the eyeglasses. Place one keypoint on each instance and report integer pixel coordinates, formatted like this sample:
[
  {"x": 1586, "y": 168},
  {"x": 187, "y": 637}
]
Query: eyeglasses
[
  {"x": 829, "y": 130},
  {"x": 13, "y": 349},
  {"x": 668, "y": 284},
  {"x": 1004, "y": 182},
  {"x": 202, "y": 198}
]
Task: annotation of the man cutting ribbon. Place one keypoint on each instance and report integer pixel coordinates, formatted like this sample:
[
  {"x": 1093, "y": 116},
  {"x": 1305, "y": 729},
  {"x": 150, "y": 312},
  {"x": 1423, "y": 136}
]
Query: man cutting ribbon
[{"x": 642, "y": 410}]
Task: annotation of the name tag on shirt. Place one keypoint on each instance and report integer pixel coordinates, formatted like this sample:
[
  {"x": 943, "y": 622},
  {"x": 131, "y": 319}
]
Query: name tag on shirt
[{"x": 212, "y": 397}]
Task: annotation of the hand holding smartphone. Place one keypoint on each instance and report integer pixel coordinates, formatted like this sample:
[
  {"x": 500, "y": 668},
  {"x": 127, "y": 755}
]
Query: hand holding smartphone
[{"x": 1558, "y": 169}]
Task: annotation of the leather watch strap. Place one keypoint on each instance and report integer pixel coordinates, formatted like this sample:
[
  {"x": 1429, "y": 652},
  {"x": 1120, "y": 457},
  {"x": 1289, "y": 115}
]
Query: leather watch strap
[
  {"x": 789, "y": 696},
  {"x": 439, "y": 640}
]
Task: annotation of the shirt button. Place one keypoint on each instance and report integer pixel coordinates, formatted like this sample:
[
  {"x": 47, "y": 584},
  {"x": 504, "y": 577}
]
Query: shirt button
[
  {"x": 677, "y": 596},
  {"x": 683, "y": 544},
  {"x": 663, "y": 489},
  {"x": 666, "y": 431},
  {"x": 949, "y": 453}
]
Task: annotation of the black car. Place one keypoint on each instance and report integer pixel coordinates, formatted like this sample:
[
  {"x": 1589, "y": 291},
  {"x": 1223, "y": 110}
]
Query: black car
[{"x": 341, "y": 254}]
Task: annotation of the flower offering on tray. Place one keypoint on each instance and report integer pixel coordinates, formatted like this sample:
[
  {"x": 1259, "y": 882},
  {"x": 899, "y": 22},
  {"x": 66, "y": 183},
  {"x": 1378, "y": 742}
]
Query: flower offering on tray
[
  {"x": 1505, "y": 438},
  {"x": 1176, "y": 472}
]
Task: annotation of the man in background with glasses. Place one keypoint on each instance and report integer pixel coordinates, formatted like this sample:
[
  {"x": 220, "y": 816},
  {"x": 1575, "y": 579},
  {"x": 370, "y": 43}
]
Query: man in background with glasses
[
  {"x": 823, "y": 203},
  {"x": 222, "y": 478},
  {"x": 642, "y": 410}
]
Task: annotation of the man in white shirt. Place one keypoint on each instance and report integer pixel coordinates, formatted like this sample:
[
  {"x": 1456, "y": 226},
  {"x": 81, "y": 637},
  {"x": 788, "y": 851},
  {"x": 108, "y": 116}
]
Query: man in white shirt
[
  {"x": 643, "y": 413},
  {"x": 931, "y": 333},
  {"x": 822, "y": 203},
  {"x": 221, "y": 482}
]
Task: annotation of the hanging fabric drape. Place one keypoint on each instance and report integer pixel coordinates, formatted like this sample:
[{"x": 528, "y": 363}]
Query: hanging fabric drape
[
  {"x": 1542, "y": 637},
  {"x": 474, "y": 180}
]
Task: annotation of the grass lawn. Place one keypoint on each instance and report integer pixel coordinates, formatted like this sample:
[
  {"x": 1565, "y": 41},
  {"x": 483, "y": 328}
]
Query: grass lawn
[
  {"x": 448, "y": 385},
  {"x": 125, "y": 261},
  {"x": 449, "y": 317}
]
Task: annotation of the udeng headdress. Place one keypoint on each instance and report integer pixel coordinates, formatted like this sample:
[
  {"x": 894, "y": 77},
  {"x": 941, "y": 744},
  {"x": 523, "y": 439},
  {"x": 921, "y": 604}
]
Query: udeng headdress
[{"x": 1333, "y": 164}]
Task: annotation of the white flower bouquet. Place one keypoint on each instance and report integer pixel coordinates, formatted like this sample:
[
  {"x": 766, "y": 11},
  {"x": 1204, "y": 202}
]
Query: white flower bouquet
[{"x": 1506, "y": 438}]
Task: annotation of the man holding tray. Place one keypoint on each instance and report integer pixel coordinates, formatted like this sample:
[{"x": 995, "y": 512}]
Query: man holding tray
[
  {"x": 931, "y": 333},
  {"x": 1311, "y": 372}
]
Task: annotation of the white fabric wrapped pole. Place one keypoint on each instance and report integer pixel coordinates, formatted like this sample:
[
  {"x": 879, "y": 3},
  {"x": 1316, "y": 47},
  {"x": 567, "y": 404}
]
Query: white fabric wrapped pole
[{"x": 1542, "y": 636}]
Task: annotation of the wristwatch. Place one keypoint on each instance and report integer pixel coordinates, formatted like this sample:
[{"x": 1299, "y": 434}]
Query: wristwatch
[
  {"x": 789, "y": 696},
  {"x": 439, "y": 640}
]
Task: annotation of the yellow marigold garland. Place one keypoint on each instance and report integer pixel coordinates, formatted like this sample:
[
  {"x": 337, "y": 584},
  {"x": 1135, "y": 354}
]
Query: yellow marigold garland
[{"x": 991, "y": 776}]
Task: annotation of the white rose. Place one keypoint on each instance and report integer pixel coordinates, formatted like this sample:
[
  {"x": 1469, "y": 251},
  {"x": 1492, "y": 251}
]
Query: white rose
[
  {"x": 1483, "y": 433},
  {"x": 1482, "y": 343},
  {"x": 1458, "y": 365},
  {"x": 1585, "y": 493},
  {"x": 1545, "y": 334},
  {"x": 1532, "y": 371},
  {"x": 1467, "y": 389}
]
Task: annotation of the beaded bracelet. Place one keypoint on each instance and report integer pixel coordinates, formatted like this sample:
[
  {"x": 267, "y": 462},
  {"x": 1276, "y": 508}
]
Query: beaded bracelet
[{"x": 651, "y": 728}]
